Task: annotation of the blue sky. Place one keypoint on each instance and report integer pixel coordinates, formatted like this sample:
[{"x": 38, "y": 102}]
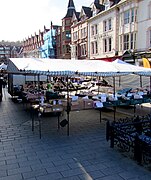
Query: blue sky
[{"x": 21, "y": 18}]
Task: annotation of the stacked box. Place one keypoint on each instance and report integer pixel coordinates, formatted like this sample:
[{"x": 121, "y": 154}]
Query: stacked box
[
  {"x": 81, "y": 104},
  {"x": 88, "y": 103},
  {"x": 57, "y": 108},
  {"x": 75, "y": 106}
]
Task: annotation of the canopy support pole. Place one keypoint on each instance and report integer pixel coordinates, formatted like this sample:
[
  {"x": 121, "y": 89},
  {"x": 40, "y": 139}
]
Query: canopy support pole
[
  {"x": 114, "y": 85},
  {"x": 141, "y": 81},
  {"x": 38, "y": 82},
  {"x": 114, "y": 107},
  {"x": 119, "y": 81},
  {"x": 99, "y": 85},
  {"x": 68, "y": 105},
  {"x": 150, "y": 85}
]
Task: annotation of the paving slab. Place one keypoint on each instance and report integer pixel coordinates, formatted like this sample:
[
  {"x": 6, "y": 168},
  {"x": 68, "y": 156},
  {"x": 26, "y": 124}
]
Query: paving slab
[{"x": 83, "y": 155}]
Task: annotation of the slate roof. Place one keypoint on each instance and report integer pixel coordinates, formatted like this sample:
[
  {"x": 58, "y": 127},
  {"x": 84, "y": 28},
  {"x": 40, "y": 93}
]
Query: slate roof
[
  {"x": 115, "y": 2},
  {"x": 71, "y": 9},
  {"x": 77, "y": 15},
  {"x": 100, "y": 7},
  {"x": 87, "y": 11}
]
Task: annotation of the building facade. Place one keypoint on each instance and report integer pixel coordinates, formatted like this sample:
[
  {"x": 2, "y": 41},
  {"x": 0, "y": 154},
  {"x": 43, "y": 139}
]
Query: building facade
[
  {"x": 106, "y": 30},
  {"x": 41, "y": 45},
  {"x": 143, "y": 43},
  {"x": 79, "y": 31},
  {"x": 9, "y": 51},
  {"x": 117, "y": 28},
  {"x": 64, "y": 33}
]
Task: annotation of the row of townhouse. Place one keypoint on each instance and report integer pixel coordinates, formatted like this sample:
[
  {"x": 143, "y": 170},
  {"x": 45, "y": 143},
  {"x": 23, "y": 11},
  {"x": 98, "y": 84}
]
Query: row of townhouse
[
  {"x": 41, "y": 45},
  {"x": 105, "y": 30},
  {"x": 9, "y": 51},
  {"x": 112, "y": 28}
]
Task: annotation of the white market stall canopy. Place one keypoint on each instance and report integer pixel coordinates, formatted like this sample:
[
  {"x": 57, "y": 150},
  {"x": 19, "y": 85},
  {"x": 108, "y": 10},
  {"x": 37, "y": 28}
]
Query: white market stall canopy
[
  {"x": 61, "y": 67},
  {"x": 126, "y": 67}
]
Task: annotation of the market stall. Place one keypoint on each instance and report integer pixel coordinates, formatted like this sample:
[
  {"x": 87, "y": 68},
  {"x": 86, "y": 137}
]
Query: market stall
[{"x": 70, "y": 68}]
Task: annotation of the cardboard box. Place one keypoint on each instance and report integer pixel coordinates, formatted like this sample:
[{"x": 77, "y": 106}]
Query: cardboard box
[
  {"x": 81, "y": 104},
  {"x": 57, "y": 108},
  {"x": 75, "y": 106},
  {"x": 88, "y": 103}
]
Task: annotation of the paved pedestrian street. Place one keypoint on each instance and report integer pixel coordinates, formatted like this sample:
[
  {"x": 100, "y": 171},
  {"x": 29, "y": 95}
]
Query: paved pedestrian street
[{"x": 83, "y": 155}]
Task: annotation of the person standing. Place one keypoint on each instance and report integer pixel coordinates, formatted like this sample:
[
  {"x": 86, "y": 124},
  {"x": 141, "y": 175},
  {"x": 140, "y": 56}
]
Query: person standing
[{"x": 1, "y": 85}]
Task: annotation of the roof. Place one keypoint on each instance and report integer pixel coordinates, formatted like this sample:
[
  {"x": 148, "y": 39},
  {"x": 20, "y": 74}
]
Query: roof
[
  {"x": 71, "y": 9},
  {"x": 71, "y": 4},
  {"x": 66, "y": 67},
  {"x": 101, "y": 7},
  {"x": 87, "y": 11},
  {"x": 77, "y": 15},
  {"x": 115, "y": 2}
]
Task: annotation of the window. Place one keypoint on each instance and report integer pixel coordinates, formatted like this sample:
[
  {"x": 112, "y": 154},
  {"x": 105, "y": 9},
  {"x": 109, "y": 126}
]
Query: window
[
  {"x": 96, "y": 47},
  {"x": 83, "y": 33},
  {"x": 75, "y": 35},
  {"x": 132, "y": 15},
  {"x": 105, "y": 45},
  {"x": 107, "y": 5},
  {"x": 126, "y": 17},
  {"x": 68, "y": 34},
  {"x": 133, "y": 40},
  {"x": 110, "y": 44},
  {"x": 126, "y": 41},
  {"x": 94, "y": 12},
  {"x": 68, "y": 49},
  {"x": 105, "y": 25},
  {"x": 96, "y": 29},
  {"x": 83, "y": 49},
  {"x": 110, "y": 24},
  {"x": 92, "y": 30},
  {"x": 67, "y": 22},
  {"x": 76, "y": 50},
  {"x": 92, "y": 47}
]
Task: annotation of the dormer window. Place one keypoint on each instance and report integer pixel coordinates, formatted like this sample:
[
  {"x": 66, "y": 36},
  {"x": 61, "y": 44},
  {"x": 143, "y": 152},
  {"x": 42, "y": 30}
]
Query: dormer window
[
  {"x": 107, "y": 5},
  {"x": 94, "y": 12},
  {"x": 83, "y": 18}
]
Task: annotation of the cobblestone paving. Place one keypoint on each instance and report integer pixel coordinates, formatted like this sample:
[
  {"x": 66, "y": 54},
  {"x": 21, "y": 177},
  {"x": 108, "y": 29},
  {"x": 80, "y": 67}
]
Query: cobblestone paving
[{"x": 84, "y": 155}]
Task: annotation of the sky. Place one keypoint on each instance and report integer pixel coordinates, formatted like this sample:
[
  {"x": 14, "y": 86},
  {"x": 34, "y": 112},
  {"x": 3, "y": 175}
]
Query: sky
[{"x": 19, "y": 19}]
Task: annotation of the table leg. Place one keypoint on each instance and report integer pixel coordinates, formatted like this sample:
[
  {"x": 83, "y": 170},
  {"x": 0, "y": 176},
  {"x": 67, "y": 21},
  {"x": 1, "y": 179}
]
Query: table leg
[
  {"x": 32, "y": 118},
  {"x": 100, "y": 115},
  {"x": 39, "y": 126},
  {"x": 114, "y": 107},
  {"x": 134, "y": 109},
  {"x": 58, "y": 121}
]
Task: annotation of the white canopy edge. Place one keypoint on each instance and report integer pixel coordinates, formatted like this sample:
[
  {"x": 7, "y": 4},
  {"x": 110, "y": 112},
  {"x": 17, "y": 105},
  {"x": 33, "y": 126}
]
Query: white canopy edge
[{"x": 59, "y": 67}]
